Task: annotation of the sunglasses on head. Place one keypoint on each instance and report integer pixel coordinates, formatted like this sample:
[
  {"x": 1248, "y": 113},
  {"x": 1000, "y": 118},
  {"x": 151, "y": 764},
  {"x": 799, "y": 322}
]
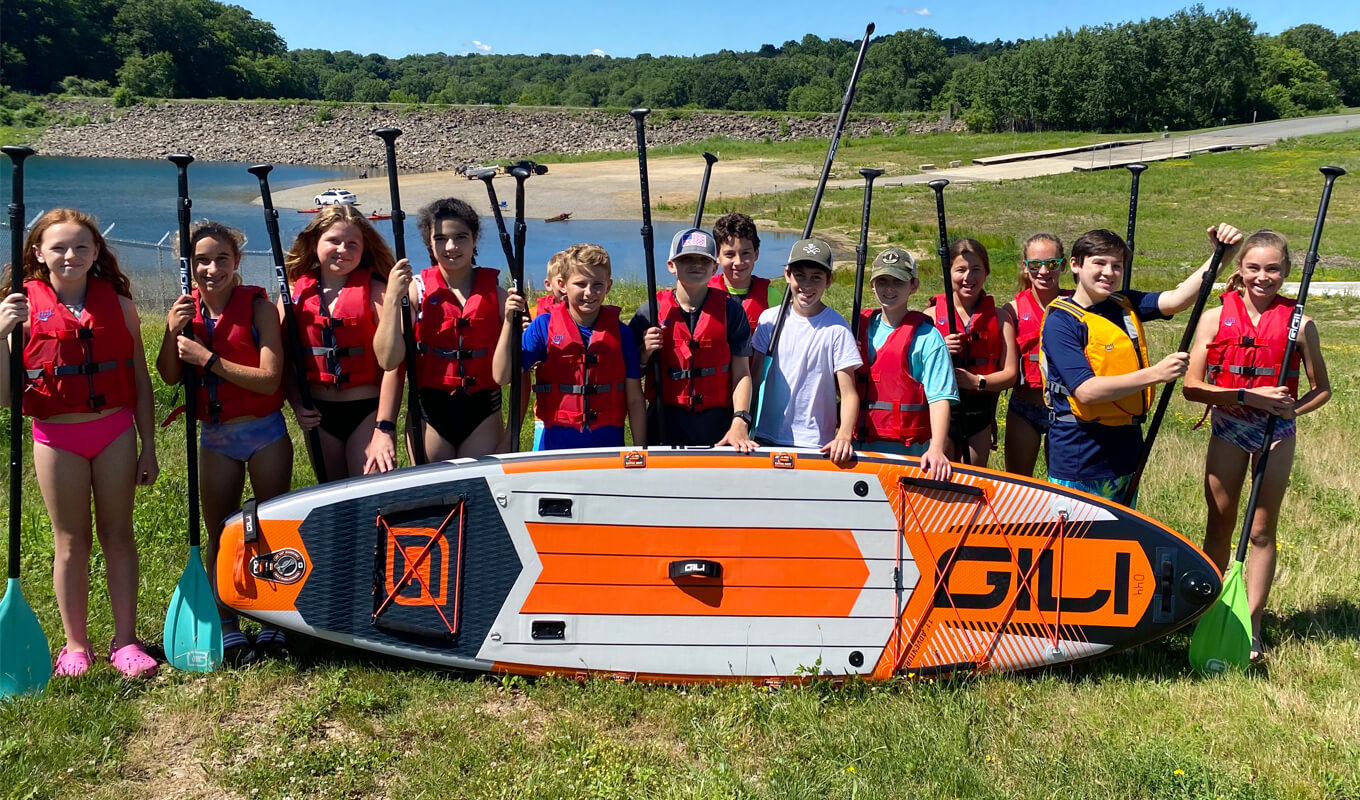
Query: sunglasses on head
[{"x": 1034, "y": 265}]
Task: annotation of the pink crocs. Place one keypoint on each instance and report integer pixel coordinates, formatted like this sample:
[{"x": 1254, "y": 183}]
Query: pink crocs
[
  {"x": 71, "y": 665},
  {"x": 132, "y": 660}
]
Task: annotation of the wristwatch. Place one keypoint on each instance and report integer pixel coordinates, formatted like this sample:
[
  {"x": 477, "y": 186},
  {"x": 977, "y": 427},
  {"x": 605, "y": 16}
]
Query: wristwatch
[
  {"x": 982, "y": 383},
  {"x": 744, "y": 416},
  {"x": 387, "y": 426},
  {"x": 1241, "y": 397}
]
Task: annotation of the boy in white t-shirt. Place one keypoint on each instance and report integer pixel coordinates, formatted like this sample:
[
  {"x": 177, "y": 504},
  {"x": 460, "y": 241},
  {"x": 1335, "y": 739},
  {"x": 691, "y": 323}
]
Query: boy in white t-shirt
[{"x": 817, "y": 360}]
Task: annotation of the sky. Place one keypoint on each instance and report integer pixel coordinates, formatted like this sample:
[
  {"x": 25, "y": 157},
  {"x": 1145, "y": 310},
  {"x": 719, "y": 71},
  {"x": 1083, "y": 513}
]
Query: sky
[{"x": 625, "y": 28}]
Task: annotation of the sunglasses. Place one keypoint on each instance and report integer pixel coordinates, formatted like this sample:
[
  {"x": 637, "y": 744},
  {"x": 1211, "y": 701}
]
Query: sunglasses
[{"x": 1034, "y": 265}]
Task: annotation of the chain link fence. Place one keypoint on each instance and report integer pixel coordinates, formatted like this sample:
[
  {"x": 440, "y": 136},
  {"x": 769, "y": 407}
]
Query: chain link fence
[{"x": 153, "y": 268}]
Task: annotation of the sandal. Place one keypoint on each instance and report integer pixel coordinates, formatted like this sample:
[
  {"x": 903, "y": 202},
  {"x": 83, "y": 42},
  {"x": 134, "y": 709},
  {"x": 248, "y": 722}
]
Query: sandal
[
  {"x": 271, "y": 642},
  {"x": 1258, "y": 650},
  {"x": 132, "y": 660},
  {"x": 72, "y": 665}
]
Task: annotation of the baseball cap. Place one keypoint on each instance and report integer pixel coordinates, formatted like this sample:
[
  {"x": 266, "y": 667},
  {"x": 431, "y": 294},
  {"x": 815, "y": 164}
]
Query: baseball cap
[
  {"x": 811, "y": 251},
  {"x": 896, "y": 263},
  {"x": 694, "y": 240}
]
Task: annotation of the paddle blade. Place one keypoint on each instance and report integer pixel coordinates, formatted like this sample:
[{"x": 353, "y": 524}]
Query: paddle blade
[
  {"x": 1222, "y": 638},
  {"x": 193, "y": 631},
  {"x": 25, "y": 658}
]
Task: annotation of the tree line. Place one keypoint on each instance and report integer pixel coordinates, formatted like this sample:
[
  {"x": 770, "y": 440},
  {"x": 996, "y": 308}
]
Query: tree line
[{"x": 1191, "y": 69}]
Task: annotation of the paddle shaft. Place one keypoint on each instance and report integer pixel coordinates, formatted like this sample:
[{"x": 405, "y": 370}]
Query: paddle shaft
[
  {"x": 190, "y": 377},
  {"x": 506, "y": 247},
  {"x": 1330, "y": 174},
  {"x": 520, "y": 174},
  {"x": 290, "y": 324},
  {"x": 1206, "y": 286},
  {"x": 709, "y": 160},
  {"x": 1136, "y": 169},
  {"x": 414, "y": 418},
  {"x": 16, "y": 154},
  {"x": 639, "y": 116},
  {"x": 960, "y": 441},
  {"x": 787, "y": 299},
  {"x": 862, "y": 249}
]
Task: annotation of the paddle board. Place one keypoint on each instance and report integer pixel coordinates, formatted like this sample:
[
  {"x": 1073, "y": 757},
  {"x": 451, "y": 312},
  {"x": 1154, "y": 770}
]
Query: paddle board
[{"x": 679, "y": 564}]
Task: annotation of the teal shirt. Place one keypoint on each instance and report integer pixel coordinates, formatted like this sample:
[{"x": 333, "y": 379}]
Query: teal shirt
[{"x": 928, "y": 362}]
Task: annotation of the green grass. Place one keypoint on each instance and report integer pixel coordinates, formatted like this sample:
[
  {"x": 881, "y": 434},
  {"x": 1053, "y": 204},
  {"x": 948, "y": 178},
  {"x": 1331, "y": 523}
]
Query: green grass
[
  {"x": 336, "y": 724},
  {"x": 1277, "y": 188}
]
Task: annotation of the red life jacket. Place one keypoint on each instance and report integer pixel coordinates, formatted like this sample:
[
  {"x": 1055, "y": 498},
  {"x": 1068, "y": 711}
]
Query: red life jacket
[
  {"x": 234, "y": 338},
  {"x": 983, "y": 345},
  {"x": 1029, "y": 319},
  {"x": 582, "y": 386},
  {"x": 455, "y": 344},
  {"x": 77, "y": 366},
  {"x": 544, "y": 304},
  {"x": 893, "y": 405},
  {"x": 337, "y": 344},
  {"x": 757, "y": 297},
  {"x": 1247, "y": 356},
  {"x": 695, "y": 365}
]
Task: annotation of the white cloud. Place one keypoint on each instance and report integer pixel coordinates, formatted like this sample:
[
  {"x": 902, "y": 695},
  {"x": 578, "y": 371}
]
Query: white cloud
[
  {"x": 485, "y": 48},
  {"x": 598, "y": 52},
  {"x": 920, "y": 12}
]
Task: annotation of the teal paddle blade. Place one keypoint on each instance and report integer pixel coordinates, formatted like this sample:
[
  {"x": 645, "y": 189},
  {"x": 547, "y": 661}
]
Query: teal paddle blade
[
  {"x": 1222, "y": 639},
  {"x": 193, "y": 630},
  {"x": 25, "y": 658}
]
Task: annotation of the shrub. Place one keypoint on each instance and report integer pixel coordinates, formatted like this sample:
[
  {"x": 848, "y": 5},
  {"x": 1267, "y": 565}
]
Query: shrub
[{"x": 123, "y": 97}]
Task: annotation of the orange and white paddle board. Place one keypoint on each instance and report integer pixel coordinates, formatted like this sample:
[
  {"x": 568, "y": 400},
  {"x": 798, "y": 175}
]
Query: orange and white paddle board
[{"x": 704, "y": 564}]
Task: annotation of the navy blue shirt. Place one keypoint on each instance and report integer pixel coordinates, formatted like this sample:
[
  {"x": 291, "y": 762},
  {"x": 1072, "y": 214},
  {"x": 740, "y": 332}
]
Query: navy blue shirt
[{"x": 1085, "y": 451}]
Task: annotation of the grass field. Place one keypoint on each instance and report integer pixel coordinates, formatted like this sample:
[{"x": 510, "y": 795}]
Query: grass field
[{"x": 333, "y": 724}]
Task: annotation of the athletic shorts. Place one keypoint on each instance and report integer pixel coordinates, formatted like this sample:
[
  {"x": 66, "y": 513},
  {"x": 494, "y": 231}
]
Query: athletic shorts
[
  {"x": 1247, "y": 430},
  {"x": 340, "y": 418},
  {"x": 239, "y": 441},
  {"x": 1036, "y": 416},
  {"x": 454, "y": 416},
  {"x": 975, "y": 413},
  {"x": 1108, "y": 488}
]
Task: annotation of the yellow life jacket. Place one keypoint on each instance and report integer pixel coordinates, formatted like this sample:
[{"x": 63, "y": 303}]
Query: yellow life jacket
[{"x": 1111, "y": 350}]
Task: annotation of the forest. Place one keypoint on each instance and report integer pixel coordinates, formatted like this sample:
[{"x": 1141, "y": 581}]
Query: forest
[{"x": 1193, "y": 68}]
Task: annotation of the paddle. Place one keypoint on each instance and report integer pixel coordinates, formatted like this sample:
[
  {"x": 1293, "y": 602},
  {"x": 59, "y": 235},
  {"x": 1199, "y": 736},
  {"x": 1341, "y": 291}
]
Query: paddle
[
  {"x": 414, "y": 418},
  {"x": 709, "y": 160},
  {"x": 1136, "y": 169},
  {"x": 193, "y": 630},
  {"x": 1222, "y": 638},
  {"x": 25, "y": 657},
  {"x": 787, "y": 300},
  {"x": 960, "y": 441},
  {"x": 639, "y": 116},
  {"x": 290, "y": 327},
  {"x": 862, "y": 250},
  {"x": 521, "y": 172},
  {"x": 1206, "y": 286}
]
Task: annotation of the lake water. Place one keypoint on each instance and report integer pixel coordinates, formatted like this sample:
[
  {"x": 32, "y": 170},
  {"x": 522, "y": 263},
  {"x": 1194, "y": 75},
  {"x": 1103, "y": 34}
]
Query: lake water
[{"x": 139, "y": 199}]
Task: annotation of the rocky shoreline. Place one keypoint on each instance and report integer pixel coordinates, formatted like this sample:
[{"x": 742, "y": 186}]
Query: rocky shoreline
[{"x": 434, "y": 139}]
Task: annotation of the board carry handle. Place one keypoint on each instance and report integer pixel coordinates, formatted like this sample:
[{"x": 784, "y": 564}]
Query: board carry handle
[
  {"x": 444, "y": 503},
  {"x": 694, "y": 568},
  {"x": 943, "y": 486}
]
